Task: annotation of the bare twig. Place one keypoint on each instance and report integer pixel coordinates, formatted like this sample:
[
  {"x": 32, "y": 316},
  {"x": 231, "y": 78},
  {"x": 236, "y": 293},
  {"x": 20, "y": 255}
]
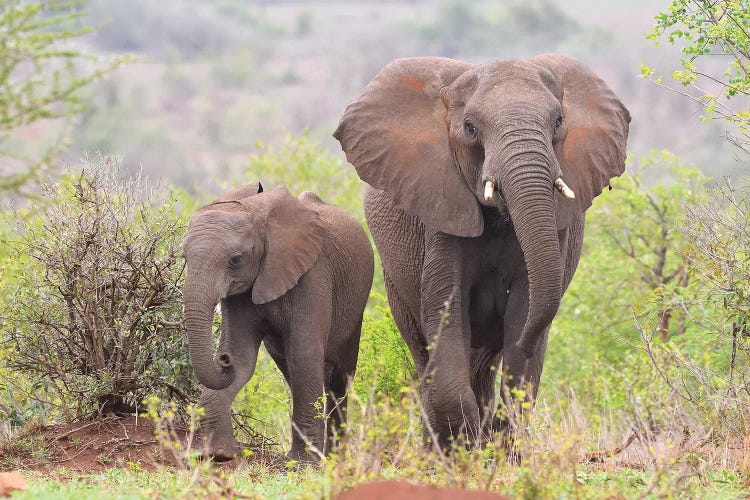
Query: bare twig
[{"x": 600, "y": 455}]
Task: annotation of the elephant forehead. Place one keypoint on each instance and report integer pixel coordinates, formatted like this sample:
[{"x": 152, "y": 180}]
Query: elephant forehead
[
  {"x": 495, "y": 72},
  {"x": 413, "y": 83},
  {"x": 218, "y": 224},
  {"x": 212, "y": 217},
  {"x": 515, "y": 77}
]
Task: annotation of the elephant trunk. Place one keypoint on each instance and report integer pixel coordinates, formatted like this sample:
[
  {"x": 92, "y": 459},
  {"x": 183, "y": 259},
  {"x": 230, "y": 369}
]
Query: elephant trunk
[
  {"x": 528, "y": 191},
  {"x": 199, "y": 315}
]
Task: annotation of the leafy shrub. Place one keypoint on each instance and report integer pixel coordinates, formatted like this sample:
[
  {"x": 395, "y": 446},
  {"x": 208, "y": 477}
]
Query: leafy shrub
[
  {"x": 659, "y": 305},
  {"x": 713, "y": 374},
  {"x": 303, "y": 165},
  {"x": 94, "y": 320},
  {"x": 385, "y": 365},
  {"x": 633, "y": 265}
]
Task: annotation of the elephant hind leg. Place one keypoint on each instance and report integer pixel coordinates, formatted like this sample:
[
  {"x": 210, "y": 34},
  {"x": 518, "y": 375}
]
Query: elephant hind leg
[
  {"x": 338, "y": 380},
  {"x": 336, "y": 404}
]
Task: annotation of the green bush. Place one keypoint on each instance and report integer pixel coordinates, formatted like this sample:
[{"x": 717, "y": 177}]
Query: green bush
[
  {"x": 91, "y": 306},
  {"x": 301, "y": 164},
  {"x": 633, "y": 266},
  {"x": 385, "y": 365},
  {"x": 653, "y": 330}
]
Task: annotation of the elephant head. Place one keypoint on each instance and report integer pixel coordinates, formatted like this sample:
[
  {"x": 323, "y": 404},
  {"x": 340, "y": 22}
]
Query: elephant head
[
  {"x": 537, "y": 139},
  {"x": 247, "y": 240}
]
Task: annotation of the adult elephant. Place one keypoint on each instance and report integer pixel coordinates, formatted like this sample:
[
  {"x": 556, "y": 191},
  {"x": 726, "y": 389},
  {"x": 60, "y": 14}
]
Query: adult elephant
[{"x": 480, "y": 176}]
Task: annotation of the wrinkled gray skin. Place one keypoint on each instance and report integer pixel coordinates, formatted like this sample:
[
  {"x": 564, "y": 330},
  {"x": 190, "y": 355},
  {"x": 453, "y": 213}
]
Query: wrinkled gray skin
[
  {"x": 427, "y": 134},
  {"x": 293, "y": 273}
]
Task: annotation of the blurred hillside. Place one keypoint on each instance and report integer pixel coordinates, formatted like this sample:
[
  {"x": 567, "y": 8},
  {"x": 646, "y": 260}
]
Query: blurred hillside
[{"x": 214, "y": 78}]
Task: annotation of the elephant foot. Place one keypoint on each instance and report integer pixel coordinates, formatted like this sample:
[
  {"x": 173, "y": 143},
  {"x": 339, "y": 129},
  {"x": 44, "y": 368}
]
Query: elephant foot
[
  {"x": 507, "y": 435},
  {"x": 222, "y": 455},
  {"x": 221, "y": 450},
  {"x": 303, "y": 457}
]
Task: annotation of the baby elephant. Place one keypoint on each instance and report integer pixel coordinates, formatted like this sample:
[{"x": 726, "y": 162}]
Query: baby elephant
[{"x": 293, "y": 273}]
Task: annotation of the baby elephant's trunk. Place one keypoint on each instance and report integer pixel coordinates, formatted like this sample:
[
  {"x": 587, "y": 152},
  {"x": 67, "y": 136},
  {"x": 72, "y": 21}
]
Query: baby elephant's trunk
[{"x": 199, "y": 317}]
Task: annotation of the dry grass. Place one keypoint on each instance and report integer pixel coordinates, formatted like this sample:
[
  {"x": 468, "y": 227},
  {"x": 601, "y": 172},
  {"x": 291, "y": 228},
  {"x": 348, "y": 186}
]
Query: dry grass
[{"x": 557, "y": 455}]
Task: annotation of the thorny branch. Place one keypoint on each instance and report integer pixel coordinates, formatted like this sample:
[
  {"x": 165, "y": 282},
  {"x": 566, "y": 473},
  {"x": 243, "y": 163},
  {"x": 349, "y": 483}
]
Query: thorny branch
[{"x": 101, "y": 310}]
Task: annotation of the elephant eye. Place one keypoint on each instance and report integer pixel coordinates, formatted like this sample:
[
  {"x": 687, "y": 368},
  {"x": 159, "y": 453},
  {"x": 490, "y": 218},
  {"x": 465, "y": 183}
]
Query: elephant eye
[
  {"x": 235, "y": 260},
  {"x": 558, "y": 122},
  {"x": 470, "y": 129}
]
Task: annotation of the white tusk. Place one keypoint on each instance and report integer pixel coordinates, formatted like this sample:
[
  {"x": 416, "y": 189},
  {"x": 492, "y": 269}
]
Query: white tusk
[
  {"x": 489, "y": 190},
  {"x": 564, "y": 189}
]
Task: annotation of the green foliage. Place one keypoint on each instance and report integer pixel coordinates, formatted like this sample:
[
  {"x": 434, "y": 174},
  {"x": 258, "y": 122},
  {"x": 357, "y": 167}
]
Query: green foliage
[
  {"x": 659, "y": 306},
  {"x": 385, "y": 365},
  {"x": 91, "y": 321},
  {"x": 634, "y": 266},
  {"x": 40, "y": 80},
  {"x": 719, "y": 233},
  {"x": 719, "y": 229},
  {"x": 632, "y": 252},
  {"x": 301, "y": 164},
  {"x": 705, "y": 28}
]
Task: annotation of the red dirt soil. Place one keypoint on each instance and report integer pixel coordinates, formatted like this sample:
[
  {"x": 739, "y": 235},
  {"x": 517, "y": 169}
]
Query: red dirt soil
[
  {"x": 95, "y": 446},
  {"x": 10, "y": 482}
]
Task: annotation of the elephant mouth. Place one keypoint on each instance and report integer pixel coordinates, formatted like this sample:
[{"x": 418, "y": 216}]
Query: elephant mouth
[
  {"x": 497, "y": 217},
  {"x": 495, "y": 209}
]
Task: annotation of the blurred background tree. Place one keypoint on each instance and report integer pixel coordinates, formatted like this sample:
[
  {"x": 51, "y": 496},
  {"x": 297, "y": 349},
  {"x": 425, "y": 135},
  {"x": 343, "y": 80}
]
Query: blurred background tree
[
  {"x": 212, "y": 78},
  {"x": 42, "y": 74},
  {"x": 714, "y": 39}
]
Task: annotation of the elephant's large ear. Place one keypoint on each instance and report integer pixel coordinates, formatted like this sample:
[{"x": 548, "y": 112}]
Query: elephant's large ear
[
  {"x": 597, "y": 131},
  {"x": 396, "y": 136},
  {"x": 240, "y": 193},
  {"x": 294, "y": 239}
]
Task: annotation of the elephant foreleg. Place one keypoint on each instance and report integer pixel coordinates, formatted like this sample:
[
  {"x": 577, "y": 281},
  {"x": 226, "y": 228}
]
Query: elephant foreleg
[
  {"x": 241, "y": 336},
  {"x": 485, "y": 363},
  {"x": 445, "y": 322}
]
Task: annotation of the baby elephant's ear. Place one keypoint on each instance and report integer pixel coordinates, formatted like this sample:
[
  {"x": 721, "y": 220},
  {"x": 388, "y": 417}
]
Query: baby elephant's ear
[
  {"x": 294, "y": 240},
  {"x": 240, "y": 193}
]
